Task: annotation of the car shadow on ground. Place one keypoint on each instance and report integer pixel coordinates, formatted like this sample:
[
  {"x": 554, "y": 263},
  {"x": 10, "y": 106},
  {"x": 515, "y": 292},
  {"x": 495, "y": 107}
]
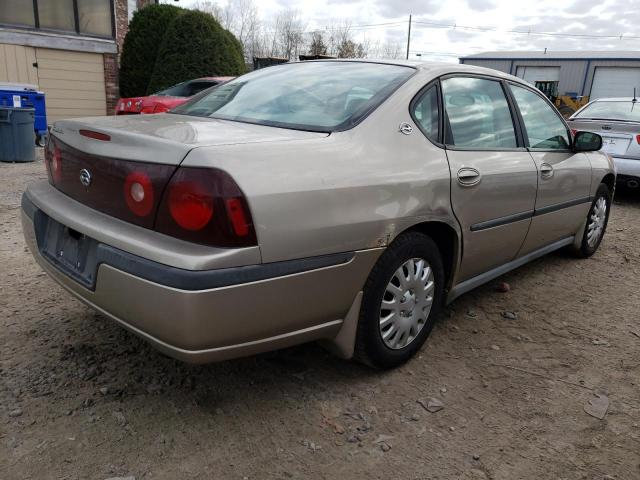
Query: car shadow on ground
[{"x": 627, "y": 196}]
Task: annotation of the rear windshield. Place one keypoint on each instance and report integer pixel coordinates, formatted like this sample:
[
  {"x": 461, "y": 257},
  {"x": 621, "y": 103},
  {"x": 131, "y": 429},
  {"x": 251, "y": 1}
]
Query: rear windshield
[
  {"x": 317, "y": 96},
  {"x": 619, "y": 110}
]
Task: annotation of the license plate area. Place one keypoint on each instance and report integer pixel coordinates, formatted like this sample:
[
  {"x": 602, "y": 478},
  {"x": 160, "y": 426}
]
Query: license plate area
[
  {"x": 615, "y": 145},
  {"x": 68, "y": 250}
]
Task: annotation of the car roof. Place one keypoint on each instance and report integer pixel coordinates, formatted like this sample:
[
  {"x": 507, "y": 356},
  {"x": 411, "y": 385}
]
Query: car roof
[
  {"x": 436, "y": 68},
  {"x": 615, "y": 99},
  {"x": 209, "y": 79}
]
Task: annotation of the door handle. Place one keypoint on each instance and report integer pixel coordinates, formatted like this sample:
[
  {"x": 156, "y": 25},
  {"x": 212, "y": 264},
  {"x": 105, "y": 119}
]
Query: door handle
[
  {"x": 468, "y": 177},
  {"x": 546, "y": 170}
]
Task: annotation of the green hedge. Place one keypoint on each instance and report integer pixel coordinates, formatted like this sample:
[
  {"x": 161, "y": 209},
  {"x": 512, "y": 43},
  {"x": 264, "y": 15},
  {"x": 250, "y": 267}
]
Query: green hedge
[
  {"x": 141, "y": 45},
  {"x": 195, "y": 45}
]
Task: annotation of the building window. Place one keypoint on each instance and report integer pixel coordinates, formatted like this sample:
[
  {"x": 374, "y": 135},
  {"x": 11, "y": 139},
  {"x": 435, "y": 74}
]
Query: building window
[
  {"x": 56, "y": 14},
  {"x": 83, "y": 17},
  {"x": 14, "y": 13},
  {"x": 94, "y": 17}
]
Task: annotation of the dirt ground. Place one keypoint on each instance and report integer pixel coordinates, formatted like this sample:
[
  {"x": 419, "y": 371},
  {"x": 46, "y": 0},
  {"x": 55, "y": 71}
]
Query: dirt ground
[{"x": 81, "y": 398}]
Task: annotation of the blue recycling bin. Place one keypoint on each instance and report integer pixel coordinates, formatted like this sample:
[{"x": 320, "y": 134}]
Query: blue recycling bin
[
  {"x": 16, "y": 135},
  {"x": 26, "y": 96}
]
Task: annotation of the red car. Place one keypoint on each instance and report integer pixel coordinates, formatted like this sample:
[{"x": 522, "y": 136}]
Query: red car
[{"x": 167, "y": 99}]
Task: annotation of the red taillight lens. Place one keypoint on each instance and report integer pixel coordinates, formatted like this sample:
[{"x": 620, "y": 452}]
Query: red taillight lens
[
  {"x": 95, "y": 135},
  {"x": 160, "y": 108},
  {"x": 53, "y": 161},
  {"x": 190, "y": 204},
  {"x": 237, "y": 217},
  {"x": 138, "y": 193},
  {"x": 205, "y": 205},
  {"x": 638, "y": 139}
]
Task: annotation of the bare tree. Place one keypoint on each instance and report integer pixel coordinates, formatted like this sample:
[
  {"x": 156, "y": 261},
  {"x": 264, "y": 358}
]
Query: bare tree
[
  {"x": 240, "y": 17},
  {"x": 212, "y": 8},
  {"x": 287, "y": 39},
  {"x": 391, "y": 50},
  {"x": 317, "y": 45}
]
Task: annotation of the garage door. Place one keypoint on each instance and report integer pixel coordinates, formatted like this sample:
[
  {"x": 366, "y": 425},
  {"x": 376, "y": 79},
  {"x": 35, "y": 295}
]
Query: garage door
[
  {"x": 73, "y": 83},
  {"x": 538, "y": 74},
  {"x": 615, "y": 82}
]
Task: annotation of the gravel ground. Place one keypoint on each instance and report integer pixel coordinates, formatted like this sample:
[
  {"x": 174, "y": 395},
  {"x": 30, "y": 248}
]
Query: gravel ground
[{"x": 81, "y": 398}]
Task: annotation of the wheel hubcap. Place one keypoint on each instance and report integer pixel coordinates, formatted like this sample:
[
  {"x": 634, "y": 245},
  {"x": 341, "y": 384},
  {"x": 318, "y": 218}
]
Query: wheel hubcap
[
  {"x": 406, "y": 303},
  {"x": 597, "y": 218}
]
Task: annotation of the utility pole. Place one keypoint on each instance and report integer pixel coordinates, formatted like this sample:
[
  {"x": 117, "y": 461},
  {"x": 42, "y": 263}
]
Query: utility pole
[{"x": 409, "y": 37}]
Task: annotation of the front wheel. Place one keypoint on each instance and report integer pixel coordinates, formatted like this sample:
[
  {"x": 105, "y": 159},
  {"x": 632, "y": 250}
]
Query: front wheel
[
  {"x": 401, "y": 300},
  {"x": 596, "y": 223}
]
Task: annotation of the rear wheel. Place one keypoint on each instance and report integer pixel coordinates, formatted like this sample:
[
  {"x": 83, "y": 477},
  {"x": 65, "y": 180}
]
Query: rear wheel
[
  {"x": 596, "y": 224},
  {"x": 402, "y": 298}
]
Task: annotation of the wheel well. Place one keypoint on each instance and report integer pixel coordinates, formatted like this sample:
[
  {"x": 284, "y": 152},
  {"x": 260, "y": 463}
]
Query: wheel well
[
  {"x": 447, "y": 240},
  {"x": 610, "y": 181}
]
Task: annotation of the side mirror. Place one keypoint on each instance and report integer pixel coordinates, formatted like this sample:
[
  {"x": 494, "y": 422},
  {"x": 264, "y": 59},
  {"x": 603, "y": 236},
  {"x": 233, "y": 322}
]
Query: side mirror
[{"x": 587, "y": 142}]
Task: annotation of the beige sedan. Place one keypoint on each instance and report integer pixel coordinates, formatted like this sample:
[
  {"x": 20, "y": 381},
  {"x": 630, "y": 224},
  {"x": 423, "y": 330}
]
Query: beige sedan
[{"x": 342, "y": 201}]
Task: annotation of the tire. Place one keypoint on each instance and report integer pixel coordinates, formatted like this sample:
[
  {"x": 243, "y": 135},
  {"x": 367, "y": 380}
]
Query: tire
[
  {"x": 589, "y": 246},
  {"x": 566, "y": 111},
  {"x": 413, "y": 315}
]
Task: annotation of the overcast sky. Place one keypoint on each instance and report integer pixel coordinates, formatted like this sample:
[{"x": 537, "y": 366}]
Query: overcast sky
[{"x": 576, "y": 17}]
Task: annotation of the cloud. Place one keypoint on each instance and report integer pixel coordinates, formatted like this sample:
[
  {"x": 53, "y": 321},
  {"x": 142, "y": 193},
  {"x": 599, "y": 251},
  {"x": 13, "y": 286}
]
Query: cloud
[
  {"x": 481, "y": 5},
  {"x": 402, "y": 8}
]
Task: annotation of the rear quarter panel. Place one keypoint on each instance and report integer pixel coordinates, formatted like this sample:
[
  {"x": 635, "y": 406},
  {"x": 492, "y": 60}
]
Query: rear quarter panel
[
  {"x": 352, "y": 190},
  {"x": 601, "y": 166}
]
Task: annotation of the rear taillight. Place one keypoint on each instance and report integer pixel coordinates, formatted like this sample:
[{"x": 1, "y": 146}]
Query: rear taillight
[
  {"x": 190, "y": 204},
  {"x": 200, "y": 205},
  {"x": 138, "y": 193},
  {"x": 53, "y": 162},
  {"x": 638, "y": 139},
  {"x": 160, "y": 108},
  {"x": 205, "y": 205}
]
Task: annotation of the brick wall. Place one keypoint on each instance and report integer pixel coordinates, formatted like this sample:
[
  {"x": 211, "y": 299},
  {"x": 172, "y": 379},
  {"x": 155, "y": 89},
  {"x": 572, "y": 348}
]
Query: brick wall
[
  {"x": 112, "y": 89},
  {"x": 122, "y": 22},
  {"x": 111, "y": 61}
]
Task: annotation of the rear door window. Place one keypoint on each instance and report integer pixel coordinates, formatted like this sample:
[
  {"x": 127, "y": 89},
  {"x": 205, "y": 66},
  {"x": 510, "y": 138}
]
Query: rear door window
[
  {"x": 478, "y": 114},
  {"x": 545, "y": 130},
  {"x": 425, "y": 113}
]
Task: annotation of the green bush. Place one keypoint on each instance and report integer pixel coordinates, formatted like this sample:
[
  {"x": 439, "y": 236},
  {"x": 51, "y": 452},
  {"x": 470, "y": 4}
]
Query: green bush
[
  {"x": 140, "y": 49},
  {"x": 195, "y": 45}
]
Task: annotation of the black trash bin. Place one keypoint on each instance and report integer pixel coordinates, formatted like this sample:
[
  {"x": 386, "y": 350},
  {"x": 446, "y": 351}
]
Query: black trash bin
[{"x": 16, "y": 134}]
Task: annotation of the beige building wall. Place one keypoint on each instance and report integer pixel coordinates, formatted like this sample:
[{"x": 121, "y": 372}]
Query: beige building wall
[{"x": 73, "y": 82}]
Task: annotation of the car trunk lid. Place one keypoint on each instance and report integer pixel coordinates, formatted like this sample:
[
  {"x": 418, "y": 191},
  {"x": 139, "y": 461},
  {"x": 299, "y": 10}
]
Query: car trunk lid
[
  {"x": 166, "y": 138},
  {"x": 618, "y": 137},
  {"x": 122, "y": 165}
]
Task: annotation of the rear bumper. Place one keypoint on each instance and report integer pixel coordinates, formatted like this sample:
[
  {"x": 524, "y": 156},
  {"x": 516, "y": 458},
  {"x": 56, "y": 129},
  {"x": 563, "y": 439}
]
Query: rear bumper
[
  {"x": 627, "y": 167},
  {"x": 201, "y": 316}
]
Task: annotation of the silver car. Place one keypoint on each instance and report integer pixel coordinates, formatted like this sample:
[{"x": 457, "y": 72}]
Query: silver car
[
  {"x": 341, "y": 201},
  {"x": 617, "y": 120}
]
